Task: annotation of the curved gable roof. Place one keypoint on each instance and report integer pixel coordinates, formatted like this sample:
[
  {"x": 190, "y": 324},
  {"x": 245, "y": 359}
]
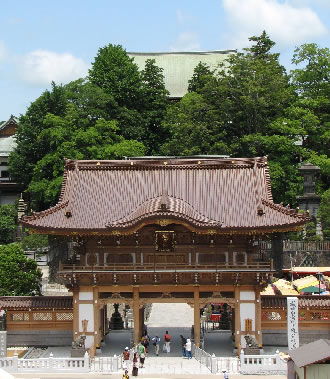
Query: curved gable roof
[{"x": 227, "y": 195}]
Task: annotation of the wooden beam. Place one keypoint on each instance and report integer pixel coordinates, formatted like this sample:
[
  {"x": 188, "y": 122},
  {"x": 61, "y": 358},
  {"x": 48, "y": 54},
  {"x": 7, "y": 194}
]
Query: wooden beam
[{"x": 136, "y": 315}]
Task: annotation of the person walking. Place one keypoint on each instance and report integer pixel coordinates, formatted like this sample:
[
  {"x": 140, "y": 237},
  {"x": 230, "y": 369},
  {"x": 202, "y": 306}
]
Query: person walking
[
  {"x": 167, "y": 342},
  {"x": 188, "y": 348},
  {"x": 135, "y": 369},
  {"x": 142, "y": 354},
  {"x": 156, "y": 342},
  {"x": 225, "y": 374},
  {"x": 183, "y": 345},
  {"x": 126, "y": 356}
]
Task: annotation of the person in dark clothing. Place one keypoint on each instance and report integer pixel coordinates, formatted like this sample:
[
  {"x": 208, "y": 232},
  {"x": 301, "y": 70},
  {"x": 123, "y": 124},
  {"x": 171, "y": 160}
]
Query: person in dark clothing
[
  {"x": 183, "y": 345},
  {"x": 135, "y": 369}
]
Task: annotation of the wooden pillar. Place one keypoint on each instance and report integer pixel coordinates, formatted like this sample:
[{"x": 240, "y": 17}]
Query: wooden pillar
[
  {"x": 75, "y": 299},
  {"x": 141, "y": 326},
  {"x": 258, "y": 318},
  {"x": 197, "y": 316},
  {"x": 97, "y": 334},
  {"x": 136, "y": 315},
  {"x": 237, "y": 318}
]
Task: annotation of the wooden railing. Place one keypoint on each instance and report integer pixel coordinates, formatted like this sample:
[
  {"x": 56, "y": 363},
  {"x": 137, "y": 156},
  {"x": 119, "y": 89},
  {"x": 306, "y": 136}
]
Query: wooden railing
[
  {"x": 262, "y": 266},
  {"x": 319, "y": 246},
  {"x": 306, "y": 246}
]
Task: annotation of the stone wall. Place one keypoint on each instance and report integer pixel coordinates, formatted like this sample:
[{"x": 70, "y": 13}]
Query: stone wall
[
  {"x": 39, "y": 338},
  {"x": 276, "y": 337}
]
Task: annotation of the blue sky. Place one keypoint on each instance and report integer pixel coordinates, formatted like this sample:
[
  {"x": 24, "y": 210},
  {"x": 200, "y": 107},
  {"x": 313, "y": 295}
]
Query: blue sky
[{"x": 41, "y": 41}]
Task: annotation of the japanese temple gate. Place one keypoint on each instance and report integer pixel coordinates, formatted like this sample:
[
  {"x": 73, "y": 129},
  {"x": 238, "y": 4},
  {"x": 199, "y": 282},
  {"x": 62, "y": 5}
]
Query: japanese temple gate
[{"x": 174, "y": 230}]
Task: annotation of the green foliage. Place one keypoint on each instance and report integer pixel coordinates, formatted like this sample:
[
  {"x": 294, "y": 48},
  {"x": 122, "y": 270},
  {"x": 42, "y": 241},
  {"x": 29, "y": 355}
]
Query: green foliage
[
  {"x": 19, "y": 276},
  {"x": 79, "y": 131},
  {"x": 202, "y": 75},
  {"x": 155, "y": 102},
  {"x": 8, "y": 221},
  {"x": 34, "y": 242},
  {"x": 324, "y": 213}
]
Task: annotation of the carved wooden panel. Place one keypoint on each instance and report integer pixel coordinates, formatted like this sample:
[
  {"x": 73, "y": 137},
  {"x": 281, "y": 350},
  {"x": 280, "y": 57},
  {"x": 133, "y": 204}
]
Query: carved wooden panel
[
  {"x": 166, "y": 258},
  {"x": 219, "y": 258},
  {"x": 119, "y": 258}
]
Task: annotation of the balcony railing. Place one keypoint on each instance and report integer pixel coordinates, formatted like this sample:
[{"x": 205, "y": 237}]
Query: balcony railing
[{"x": 168, "y": 267}]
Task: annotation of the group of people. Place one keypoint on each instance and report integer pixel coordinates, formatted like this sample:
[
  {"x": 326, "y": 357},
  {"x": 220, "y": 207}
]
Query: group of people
[
  {"x": 142, "y": 351},
  {"x": 185, "y": 347}
]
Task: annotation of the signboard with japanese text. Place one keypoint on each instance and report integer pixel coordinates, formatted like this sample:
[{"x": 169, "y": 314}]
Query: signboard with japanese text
[{"x": 292, "y": 321}]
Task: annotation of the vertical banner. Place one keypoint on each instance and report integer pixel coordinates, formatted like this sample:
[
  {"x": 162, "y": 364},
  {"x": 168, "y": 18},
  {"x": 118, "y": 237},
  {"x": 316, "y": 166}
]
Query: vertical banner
[
  {"x": 3, "y": 344},
  {"x": 292, "y": 322}
]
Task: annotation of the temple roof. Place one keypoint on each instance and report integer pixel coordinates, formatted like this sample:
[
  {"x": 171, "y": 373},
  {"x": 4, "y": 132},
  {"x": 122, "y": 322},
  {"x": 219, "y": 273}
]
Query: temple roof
[
  {"x": 225, "y": 195},
  {"x": 178, "y": 67},
  {"x": 35, "y": 302}
]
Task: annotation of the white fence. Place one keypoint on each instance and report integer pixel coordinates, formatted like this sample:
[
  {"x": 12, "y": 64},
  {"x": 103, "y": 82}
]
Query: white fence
[
  {"x": 62, "y": 365},
  {"x": 50, "y": 364},
  {"x": 263, "y": 364},
  {"x": 216, "y": 364}
]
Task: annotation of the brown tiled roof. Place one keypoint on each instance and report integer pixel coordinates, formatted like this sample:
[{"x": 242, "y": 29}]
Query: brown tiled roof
[
  {"x": 310, "y": 353},
  {"x": 222, "y": 194},
  {"x": 35, "y": 302},
  {"x": 304, "y": 301}
]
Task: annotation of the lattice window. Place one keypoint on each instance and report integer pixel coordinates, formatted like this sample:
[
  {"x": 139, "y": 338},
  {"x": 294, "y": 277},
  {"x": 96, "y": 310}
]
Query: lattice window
[
  {"x": 316, "y": 315},
  {"x": 68, "y": 316},
  {"x": 20, "y": 316},
  {"x": 43, "y": 316},
  {"x": 248, "y": 325},
  {"x": 271, "y": 316}
]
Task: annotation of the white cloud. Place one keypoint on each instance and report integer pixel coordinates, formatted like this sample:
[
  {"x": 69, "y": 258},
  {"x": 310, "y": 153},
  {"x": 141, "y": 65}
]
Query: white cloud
[
  {"x": 2, "y": 51},
  {"x": 286, "y": 24},
  {"x": 40, "y": 67},
  {"x": 186, "y": 42}
]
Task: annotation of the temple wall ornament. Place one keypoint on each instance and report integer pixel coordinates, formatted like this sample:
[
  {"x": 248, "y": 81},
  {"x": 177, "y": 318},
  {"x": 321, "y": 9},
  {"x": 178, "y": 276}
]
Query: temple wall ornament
[{"x": 164, "y": 240}]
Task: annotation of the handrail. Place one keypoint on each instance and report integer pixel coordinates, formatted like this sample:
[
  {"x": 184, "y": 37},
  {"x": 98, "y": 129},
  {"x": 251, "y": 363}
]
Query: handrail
[{"x": 168, "y": 266}]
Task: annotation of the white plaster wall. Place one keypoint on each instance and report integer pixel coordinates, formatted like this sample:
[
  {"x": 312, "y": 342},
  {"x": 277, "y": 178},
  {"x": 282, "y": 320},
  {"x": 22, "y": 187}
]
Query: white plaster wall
[
  {"x": 86, "y": 312},
  {"x": 247, "y": 311},
  {"x": 247, "y": 295},
  {"x": 89, "y": 341},
  {"x": 85, "y": 295}
]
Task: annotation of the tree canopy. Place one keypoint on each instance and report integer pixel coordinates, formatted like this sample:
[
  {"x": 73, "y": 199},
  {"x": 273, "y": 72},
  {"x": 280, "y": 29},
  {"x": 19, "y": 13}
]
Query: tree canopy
[
  {"x": 19, "y": 276},
  {"x": 247, "y": 106}
]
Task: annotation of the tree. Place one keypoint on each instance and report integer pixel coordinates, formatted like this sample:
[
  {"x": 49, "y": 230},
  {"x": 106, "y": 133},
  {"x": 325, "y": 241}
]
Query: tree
[
  {"x": 22, "y": 161},
  {"x": 191, "y": 128},
  {"x": 324, "y": 213},
  {"x": 202, "y": 74},
  {"x": 19, "y": 276},
  {"x": 8, "y": 220},
  {"x": 84, "y": 129},
  {"x": 155, "y": 103},
  {"x": 312, "y": 84}
]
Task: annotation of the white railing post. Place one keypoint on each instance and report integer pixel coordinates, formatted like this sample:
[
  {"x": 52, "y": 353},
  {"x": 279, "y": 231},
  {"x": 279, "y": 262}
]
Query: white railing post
[
  {"x": 242, "y": 360},
  {"x": 86, "y": 362},
  {"x": 213, "y": 364},
  {"x": 15, "y": 362},
  {"x": 115, "y": 363},
  {"x": 51, "y": 361}
]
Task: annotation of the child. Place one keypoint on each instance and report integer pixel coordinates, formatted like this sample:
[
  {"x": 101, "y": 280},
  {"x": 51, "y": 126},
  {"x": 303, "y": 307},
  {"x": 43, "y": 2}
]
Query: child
[{"x": 125, "y": 375}]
